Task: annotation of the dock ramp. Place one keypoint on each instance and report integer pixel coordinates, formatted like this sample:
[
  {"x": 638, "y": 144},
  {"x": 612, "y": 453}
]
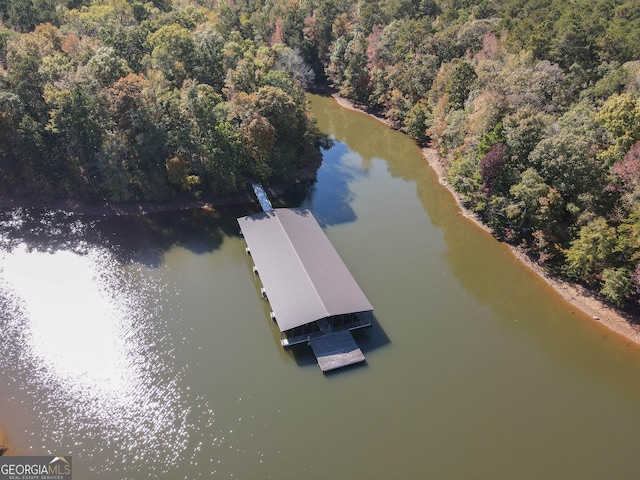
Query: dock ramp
[{"x": 262, "y": 196}]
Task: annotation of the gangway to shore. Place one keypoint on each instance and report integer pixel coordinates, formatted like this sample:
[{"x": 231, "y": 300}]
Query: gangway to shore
[{"x": 262, "y": 196}]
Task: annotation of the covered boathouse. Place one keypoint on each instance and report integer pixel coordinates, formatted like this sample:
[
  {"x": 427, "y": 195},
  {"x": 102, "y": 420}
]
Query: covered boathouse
[{"x": 313, "y": 297}]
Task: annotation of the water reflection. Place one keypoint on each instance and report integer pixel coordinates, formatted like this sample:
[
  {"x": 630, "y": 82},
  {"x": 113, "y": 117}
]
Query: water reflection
[
  {"x": 352, "y": 129},
  {"x": 340, "y": 167},
  {"x": 81, "y": 338},
  {"x": 130, "y": 238}
]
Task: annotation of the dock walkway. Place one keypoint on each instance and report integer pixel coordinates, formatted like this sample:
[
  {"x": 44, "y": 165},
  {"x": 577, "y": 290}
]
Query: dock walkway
[
  {"x": 336, "y": 350},
  {"x": 262, "y": 196}
]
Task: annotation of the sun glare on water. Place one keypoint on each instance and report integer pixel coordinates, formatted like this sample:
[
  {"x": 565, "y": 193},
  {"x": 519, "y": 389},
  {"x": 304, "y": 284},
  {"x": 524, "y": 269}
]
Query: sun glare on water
[
  {"x": 74, "y": 327},
  {"x": 84, "y": 335}
]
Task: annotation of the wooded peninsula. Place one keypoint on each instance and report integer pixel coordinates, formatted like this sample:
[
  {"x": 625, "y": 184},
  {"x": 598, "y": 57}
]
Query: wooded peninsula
[{"x": 533, "y": 106}]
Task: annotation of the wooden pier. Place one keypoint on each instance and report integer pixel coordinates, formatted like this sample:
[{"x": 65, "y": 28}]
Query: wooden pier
[{"x": 336, "y": 350}]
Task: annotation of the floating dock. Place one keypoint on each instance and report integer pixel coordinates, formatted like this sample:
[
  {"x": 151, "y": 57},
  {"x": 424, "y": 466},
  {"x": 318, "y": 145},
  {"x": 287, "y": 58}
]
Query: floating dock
[
  {"x": 313, "y": 297},
  {"x": 336, "y": 350}
]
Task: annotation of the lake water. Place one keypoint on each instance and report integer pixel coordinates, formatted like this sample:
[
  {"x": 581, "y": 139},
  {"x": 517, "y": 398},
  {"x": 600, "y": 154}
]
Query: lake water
[{"x": 140, "y": 345}]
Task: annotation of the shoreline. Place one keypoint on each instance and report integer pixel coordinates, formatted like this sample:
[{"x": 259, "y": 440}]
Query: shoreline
[
  {"x": 106, "y": 208},
  {"x": 579, "y": 297},
  {"x": 109, "y": 208}
]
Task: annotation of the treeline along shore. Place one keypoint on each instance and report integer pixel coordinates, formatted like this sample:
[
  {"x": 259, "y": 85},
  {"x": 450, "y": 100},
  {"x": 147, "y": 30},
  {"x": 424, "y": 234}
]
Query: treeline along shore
[
  {"x": 532, "y": 107},
  {"x": 614, "y": 319}
]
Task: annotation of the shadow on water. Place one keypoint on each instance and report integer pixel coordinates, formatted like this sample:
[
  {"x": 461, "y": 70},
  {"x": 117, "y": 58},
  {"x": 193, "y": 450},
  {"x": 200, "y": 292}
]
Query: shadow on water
[
  {"x": 130, "y": 238},
  {"x": 372, "y": 338},
  {"x": 302, "y": 354}
]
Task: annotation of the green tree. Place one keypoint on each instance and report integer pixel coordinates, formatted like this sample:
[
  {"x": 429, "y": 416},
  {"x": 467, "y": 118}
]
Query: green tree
[
  {"x": 356, "y": 74},
  {"x": 75, "y": 120},
  {"x": 591, "y": 252},
  {"x": 572, "y": 42},
  {"x": 621, "y": 37},
  {"x": 460, "y": 83},
  {"x": 24, "y": 80},
  {"x": 243, "y": 78},
  {"x": 418, "y": 120},
  {"x": 569, "y": 163},
  {"x": 107, "y": 67},
  {"x": 463, "y": 174},
  {"x": 209, "y": 144},
  {"x": 523, "y": 130},
  {"x": 337, "y": 61},
  {"x": 528, "y": 194},
  {"x": 629, "y": 238},
  {"x": 491, "y": 138},
  {"x": 616, "y": 285},
  {"x": 90, "y": 20},
  {"x": 620, "y": 116},
  {"x": 56, "y": 68},
  {"x": 128, "y": 41},
  {"x": 173, "y": 53},
  {"x": 25, "y": 15},
  {"x": 11, "y": 112},
  {"x": 208, "y": 65}
]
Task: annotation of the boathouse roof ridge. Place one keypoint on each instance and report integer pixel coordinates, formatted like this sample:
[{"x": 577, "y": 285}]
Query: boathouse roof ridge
[{"x": 303, "y": 276}]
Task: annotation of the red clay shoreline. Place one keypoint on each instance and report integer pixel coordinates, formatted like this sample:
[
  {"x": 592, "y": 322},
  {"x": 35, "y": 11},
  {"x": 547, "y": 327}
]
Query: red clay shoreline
[{"x": 579, "y": 297}]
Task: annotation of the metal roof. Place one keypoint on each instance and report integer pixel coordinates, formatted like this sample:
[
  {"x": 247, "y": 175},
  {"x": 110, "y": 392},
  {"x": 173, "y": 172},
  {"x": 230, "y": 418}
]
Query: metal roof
[{"x": 304, "y": 277}]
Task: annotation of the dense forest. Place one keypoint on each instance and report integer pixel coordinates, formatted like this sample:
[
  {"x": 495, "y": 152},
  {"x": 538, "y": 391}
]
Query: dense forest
[
  {"x": 128, "y": 101},
  {"x": 534, "y": 105}
]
